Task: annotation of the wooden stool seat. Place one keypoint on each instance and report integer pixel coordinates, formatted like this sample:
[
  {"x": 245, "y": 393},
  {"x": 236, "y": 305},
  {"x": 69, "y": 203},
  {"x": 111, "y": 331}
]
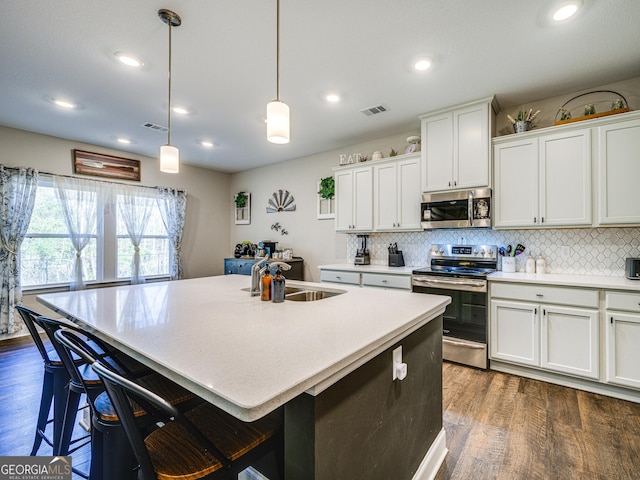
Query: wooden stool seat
[
  {"x": 233, "y": 438},
  {"x": 191, "y": 444}
]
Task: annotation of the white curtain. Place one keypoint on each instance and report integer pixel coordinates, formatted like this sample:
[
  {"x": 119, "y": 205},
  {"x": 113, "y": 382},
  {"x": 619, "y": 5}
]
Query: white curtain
[
  {"x": 173, "y": 207},
  {"x": 135, "y": 205},
  {"x": 17, "y": 197},
  {"x": 80, "y": 200}
]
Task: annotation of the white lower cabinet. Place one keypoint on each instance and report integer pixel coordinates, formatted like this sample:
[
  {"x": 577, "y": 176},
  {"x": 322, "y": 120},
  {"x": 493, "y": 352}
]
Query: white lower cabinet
[
  {"x": 515, "y": 332},
  {"x": 366, "y": 279},
  {"x": 569, "y": 340},
  {"x": 623, "y": 338},
  {"x": 559, "y": 338},
  {"x": 337, "y": 276}
]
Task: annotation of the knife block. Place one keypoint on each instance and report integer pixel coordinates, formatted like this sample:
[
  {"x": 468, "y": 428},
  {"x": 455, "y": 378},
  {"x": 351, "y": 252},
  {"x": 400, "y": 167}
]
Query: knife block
[{"x": 396, "y": 259}]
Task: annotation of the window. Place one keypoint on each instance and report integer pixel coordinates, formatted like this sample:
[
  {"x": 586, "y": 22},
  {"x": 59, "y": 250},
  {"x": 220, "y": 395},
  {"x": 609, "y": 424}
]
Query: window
[
  {"x": 47, "y": 256},
  {"x": 154, "y": 246}
]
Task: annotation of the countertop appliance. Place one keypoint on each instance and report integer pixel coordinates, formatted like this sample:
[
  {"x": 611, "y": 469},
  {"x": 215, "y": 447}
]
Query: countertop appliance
[
  {"x": 362, "y": 254},
  {"x": 460, "y": 272},
  {"x": 462, "y": 209},
  {"x": 632, "y": 268}
]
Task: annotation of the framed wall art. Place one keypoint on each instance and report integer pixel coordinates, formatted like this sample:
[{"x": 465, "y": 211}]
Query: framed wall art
[{"x": 106, "y": 166}]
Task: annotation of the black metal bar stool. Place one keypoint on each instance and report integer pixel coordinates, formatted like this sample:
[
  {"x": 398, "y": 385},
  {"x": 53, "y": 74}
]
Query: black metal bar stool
[
  {"x": 54, "y": 383},
  {"x": 111, "y": 454}
]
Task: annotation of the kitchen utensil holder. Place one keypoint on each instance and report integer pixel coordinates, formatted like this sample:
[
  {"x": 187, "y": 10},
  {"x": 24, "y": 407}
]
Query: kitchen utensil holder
[
  {"x": 396, "y": 259},
  {"x": 508, "y": 264}
]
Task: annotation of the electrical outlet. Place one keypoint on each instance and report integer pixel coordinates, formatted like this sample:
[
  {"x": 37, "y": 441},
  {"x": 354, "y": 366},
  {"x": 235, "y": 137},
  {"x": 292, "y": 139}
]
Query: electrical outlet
[
  {"x": 565, "y": 251},
  {"x": 399, "y": 368}
]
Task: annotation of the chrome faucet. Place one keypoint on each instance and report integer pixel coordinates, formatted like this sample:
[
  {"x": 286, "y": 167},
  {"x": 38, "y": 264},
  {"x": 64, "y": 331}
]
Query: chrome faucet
[
  {"x": 255, "y": 277},
  {"x": 285, "y": 266}
]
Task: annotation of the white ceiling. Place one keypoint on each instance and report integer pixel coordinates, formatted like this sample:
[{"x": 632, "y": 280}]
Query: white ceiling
[{"x": 224, "y": 67}]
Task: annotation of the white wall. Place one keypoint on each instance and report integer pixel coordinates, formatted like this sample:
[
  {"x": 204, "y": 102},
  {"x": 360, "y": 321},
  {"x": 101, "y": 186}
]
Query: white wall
[
  {"x": 629, "y": 89},
  {"x": 314, "y": 240}
]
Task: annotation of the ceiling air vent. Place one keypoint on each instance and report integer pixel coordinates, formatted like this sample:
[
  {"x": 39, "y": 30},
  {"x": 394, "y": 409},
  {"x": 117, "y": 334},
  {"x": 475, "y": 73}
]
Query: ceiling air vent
[
  {"x": 374, "y": 110},
  {"x": 154, "y": 127}
]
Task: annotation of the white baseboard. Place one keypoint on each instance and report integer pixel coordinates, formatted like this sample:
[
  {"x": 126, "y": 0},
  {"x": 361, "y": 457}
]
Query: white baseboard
[{"x": 431, "y": 462}]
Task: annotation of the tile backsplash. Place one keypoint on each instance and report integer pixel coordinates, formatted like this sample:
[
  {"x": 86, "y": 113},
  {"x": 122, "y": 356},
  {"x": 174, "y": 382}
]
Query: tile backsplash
[{"x": 588, "y": 251}]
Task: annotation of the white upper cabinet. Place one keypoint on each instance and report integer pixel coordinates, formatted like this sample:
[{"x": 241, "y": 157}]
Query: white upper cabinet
[
  {"x": 565, "y": 176},
  {"x": 396, "y": 195},
  {"x": 618, "y": 173},
  {"x": 543, "y": 180},
  {"x": 354, "y": 199},
  {"x": 516, "y": 183},
  {"x": 456, "y": 147}
]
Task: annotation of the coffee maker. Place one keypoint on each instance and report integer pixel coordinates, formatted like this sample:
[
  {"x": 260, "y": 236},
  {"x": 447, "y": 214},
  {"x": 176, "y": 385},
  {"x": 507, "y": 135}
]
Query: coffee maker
[{"x": 362, "y": 254}]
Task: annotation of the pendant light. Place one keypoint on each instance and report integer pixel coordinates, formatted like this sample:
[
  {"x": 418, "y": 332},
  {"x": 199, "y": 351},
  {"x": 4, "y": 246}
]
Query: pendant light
[
  {"x": 278, "y": 111},
  {"x": 169, "y": 155}
]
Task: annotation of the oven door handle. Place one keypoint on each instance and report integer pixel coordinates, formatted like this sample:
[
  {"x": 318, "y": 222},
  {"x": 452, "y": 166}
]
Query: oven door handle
[
  {"x": 451, "y": 282},
  {"x": 461, "y": 344}
]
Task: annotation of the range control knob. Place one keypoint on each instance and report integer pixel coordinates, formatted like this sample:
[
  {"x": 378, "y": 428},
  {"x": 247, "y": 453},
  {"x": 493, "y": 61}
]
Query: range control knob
[
  {"x": 441, "y": 251},
  {"x": 490, "y": 252},
  {"x": 482, "y": 252},
  {"x": 475, "y": 251}
]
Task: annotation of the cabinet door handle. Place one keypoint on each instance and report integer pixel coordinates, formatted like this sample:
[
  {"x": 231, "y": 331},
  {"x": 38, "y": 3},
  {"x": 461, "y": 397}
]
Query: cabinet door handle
[
  {"x": 534, "y": 219},
  {"x": 535, "y": 311},
  {"x": 611, "y": 320},
  {"x": 455, "y": 183},
  {"x": 544, "y": 312},
  {"x": 384, "y": 281},
  {"x": 542, "y": 220}
]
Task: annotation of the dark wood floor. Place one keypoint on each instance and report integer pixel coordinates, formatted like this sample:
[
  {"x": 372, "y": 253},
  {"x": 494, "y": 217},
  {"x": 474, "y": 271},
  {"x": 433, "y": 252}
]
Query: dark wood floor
[
  {"x": 501, "y": 426},
  {"x": 21, "y": 372},
  {"x": 498, "y": 426}
]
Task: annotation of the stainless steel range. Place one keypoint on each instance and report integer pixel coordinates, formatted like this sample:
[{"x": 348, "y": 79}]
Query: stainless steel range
[{"x": 460, "y": 271}]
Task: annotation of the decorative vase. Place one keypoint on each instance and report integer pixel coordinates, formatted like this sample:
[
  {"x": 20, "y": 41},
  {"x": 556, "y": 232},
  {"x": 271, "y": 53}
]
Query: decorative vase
[
  {"x": 376, "y": 155},
  {"x": 521, "y": 126}
]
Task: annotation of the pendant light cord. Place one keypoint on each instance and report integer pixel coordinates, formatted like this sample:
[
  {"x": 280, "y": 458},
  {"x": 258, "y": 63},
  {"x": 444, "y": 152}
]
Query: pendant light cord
[
  {"x": 169, "y": 107},
  {"x": 278, "y": 50}
]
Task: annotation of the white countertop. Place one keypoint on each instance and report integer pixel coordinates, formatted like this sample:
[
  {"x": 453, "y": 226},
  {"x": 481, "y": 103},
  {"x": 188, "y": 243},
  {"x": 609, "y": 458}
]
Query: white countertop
[
  {"x": 242, "y": 354},
  {"x": 350, "y": 267},
  {"x": 589, "y": 281}
]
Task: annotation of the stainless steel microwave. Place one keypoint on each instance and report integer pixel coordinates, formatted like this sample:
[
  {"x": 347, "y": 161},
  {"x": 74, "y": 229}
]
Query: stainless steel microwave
[{"x": 462, "y": 209}]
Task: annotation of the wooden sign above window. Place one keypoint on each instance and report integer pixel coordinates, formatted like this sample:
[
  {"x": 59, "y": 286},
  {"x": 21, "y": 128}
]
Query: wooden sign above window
[{"x": 99, "y": 165}]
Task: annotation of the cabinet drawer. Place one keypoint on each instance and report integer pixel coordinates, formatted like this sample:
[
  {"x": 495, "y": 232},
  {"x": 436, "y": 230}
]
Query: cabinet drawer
[
  {"x": 389, "y": 281},
  {"x": 337, "y": 276},
  {"x": 628, "y": 302},
  {"x": 546, "y": 294}
]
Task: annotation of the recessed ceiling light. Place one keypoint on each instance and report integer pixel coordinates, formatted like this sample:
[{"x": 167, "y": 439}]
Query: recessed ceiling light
[
  {"x": 206, "y": 144},
  {"x": 180, "y": 110},
  {"x": 126, "y": 141},
  {"x": 565, "y": 11},
  {"x": 333, "y": 97},
  {"x": 128, "y": 59},
  {"x": 63, "y": 103},
  {"x": 422, "y": 64}
]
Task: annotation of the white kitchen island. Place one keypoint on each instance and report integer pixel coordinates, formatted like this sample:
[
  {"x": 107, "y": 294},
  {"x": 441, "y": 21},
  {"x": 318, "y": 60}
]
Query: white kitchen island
[{"x": 251, "y": 357}]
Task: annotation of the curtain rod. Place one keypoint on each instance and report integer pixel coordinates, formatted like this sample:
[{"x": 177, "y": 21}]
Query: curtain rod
[{"x": 104, "y": 181}]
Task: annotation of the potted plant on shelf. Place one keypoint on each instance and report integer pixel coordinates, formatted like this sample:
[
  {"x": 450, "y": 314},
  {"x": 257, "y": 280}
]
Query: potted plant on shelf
[
  {"x": 327, "y": 188},
  {"x": 240, "y": 199}
]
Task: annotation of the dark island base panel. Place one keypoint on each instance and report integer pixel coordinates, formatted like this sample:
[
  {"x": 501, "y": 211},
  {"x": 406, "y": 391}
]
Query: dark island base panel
[{"x": 367, "y": 425}]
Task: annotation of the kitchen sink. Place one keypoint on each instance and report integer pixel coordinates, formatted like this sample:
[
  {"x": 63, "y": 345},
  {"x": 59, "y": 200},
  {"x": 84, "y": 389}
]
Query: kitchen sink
[
  {"x": 287, "y": 290},
  {"x": 302, "y": 294},
  {"x": 311, "y": 295}
]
